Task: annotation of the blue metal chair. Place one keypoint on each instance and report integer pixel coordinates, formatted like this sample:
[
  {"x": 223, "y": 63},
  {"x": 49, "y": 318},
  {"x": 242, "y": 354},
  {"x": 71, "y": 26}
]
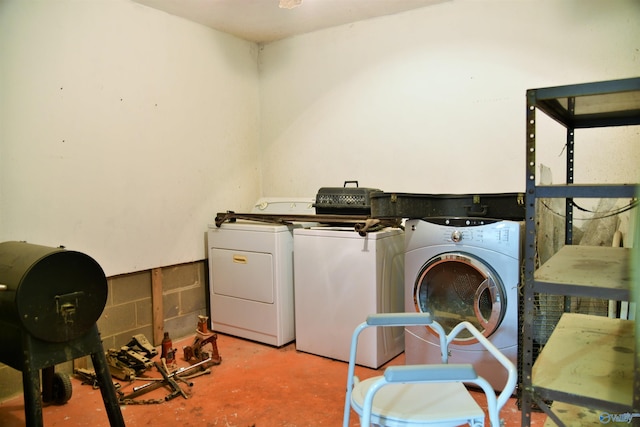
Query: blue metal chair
[{"x": 424, "y": 395}]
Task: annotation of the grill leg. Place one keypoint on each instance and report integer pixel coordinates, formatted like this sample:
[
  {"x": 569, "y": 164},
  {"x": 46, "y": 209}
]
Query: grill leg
[
  {"x": 31, "y": 387},
  {"x": 103, "y": 376},
  {"x": 47, "y": 383},
  {"x": 36, "y": 354}
]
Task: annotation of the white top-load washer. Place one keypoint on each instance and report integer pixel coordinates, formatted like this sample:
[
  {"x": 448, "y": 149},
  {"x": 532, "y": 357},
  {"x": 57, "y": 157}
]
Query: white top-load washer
[
  {"x": 341, "y": 278},
  {"x": 251, "y": 273}
]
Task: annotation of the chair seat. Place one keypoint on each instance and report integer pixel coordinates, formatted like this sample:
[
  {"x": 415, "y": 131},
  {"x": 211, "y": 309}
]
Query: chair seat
[{"x": 406, "y": 404}]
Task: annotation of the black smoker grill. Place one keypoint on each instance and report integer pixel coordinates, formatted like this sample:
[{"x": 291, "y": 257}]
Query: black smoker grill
[{"x": 50, "y": 300}]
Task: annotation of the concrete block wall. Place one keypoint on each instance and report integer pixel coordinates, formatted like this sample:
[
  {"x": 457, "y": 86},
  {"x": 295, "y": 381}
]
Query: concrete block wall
[
  {"x": 185, "y": 297},
  {"x": 129, "y": 308},
  {"x": 129, "y": 311}
]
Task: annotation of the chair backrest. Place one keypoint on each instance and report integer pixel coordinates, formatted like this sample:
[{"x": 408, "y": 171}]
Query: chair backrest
[{"x": 429, "y": 373}]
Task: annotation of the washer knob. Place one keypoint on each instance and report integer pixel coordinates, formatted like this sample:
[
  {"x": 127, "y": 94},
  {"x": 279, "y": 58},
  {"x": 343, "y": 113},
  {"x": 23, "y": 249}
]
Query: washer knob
[{"x": 456, "y": 236}]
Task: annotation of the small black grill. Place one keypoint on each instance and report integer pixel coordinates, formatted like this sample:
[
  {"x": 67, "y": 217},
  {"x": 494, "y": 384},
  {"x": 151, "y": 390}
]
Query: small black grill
[{"x": 50, "y": 300}]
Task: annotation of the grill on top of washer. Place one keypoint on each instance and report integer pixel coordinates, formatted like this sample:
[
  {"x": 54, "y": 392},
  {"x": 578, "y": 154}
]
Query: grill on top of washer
[{"x": 55, "y": 295}]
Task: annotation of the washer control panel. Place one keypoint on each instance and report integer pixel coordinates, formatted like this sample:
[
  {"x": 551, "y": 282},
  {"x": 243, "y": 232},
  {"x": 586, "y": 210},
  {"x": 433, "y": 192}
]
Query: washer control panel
[
  {"x": 490, "y": 233},
  {"x": 456, "y": 236},
  {"x": 461, "y": 222},
  {"x": 468, "y": 231}
]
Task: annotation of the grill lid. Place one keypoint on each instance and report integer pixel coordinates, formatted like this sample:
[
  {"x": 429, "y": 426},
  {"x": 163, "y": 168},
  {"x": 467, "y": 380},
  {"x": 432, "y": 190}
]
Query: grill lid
[{"x": 54, "y": 294}]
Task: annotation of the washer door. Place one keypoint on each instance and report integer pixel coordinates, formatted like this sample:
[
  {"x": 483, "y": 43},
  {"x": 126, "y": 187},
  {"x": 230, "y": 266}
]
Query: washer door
[{"x": 455, "y": 287}]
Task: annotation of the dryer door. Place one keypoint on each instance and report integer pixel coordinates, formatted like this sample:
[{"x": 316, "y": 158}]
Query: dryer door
[{"x": 457, "y": 286}]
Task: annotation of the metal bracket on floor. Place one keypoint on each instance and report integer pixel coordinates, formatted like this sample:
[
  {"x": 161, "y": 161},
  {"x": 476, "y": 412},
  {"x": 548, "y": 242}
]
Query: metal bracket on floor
[{"x": 545, "y": 408}]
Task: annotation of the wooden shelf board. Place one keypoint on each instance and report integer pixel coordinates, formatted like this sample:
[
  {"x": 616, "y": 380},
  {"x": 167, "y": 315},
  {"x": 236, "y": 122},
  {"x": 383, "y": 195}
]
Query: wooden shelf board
[
  {"x": 575, "y": 416},
  {"x": 588, "y": 357},
  {"x": 589, "y": 270}
]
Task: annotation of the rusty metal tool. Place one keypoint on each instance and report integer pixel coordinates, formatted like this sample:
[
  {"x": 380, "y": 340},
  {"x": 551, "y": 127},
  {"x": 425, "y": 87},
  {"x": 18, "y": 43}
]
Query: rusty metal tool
[
  {"x": 175, "y": 387},
  {"x": 154, "y": 384}
]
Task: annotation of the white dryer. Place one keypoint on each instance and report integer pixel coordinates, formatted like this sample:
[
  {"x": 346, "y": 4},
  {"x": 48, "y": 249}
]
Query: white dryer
[
  {"x": 464, "y": 269},
  {"x": 251, "y": 274},
  {"x": 341, "y": 278}
]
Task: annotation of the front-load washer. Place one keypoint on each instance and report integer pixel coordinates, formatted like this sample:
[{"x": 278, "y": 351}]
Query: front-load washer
[
  {"x": 341, "y": 278},
  {"x": 251, "y": 274},
  {"x": 464, "y": 269}
]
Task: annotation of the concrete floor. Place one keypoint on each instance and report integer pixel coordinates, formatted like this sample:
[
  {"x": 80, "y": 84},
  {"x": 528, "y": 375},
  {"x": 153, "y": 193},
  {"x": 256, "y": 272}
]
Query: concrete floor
[{"x": 255, "y": 385}]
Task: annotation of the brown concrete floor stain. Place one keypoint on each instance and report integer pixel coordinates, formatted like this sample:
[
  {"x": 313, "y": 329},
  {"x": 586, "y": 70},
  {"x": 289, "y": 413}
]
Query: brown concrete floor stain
[{"x": 255, "y": 385}]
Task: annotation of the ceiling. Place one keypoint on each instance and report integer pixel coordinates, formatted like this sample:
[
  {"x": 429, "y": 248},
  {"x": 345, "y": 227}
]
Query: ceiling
[{"x": 264, "y": 21}]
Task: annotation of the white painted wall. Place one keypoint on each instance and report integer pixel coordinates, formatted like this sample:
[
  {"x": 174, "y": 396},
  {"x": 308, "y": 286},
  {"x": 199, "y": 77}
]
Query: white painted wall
[
  {"x": 433, "y": 100},
  {"x": 123, "y": 130}
]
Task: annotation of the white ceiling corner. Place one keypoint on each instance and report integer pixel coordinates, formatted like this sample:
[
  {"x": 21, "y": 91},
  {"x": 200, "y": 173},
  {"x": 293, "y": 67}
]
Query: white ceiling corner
[{"x": 264, "y": 21}]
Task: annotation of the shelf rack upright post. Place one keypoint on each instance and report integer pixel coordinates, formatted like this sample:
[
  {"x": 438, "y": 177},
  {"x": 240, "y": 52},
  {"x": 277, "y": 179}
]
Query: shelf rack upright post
[{"x": 589, "y": 363}]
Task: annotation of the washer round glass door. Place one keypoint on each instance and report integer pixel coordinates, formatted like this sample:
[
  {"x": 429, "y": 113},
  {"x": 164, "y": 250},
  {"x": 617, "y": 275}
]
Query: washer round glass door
[{"x": 455, "y": 287}]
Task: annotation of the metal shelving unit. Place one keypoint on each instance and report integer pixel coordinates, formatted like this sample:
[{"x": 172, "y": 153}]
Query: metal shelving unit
[{"x": 588, "y": 364}]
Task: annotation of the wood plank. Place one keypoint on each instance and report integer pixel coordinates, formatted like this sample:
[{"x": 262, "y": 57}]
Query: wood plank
[
  {"x": 157, "y": 321},
  {"x": 574, "y": 416},
  {"x": 604, "y": 269},
  {"x": 588, "y": 357},
  {"x": 577, "y": 416}
]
